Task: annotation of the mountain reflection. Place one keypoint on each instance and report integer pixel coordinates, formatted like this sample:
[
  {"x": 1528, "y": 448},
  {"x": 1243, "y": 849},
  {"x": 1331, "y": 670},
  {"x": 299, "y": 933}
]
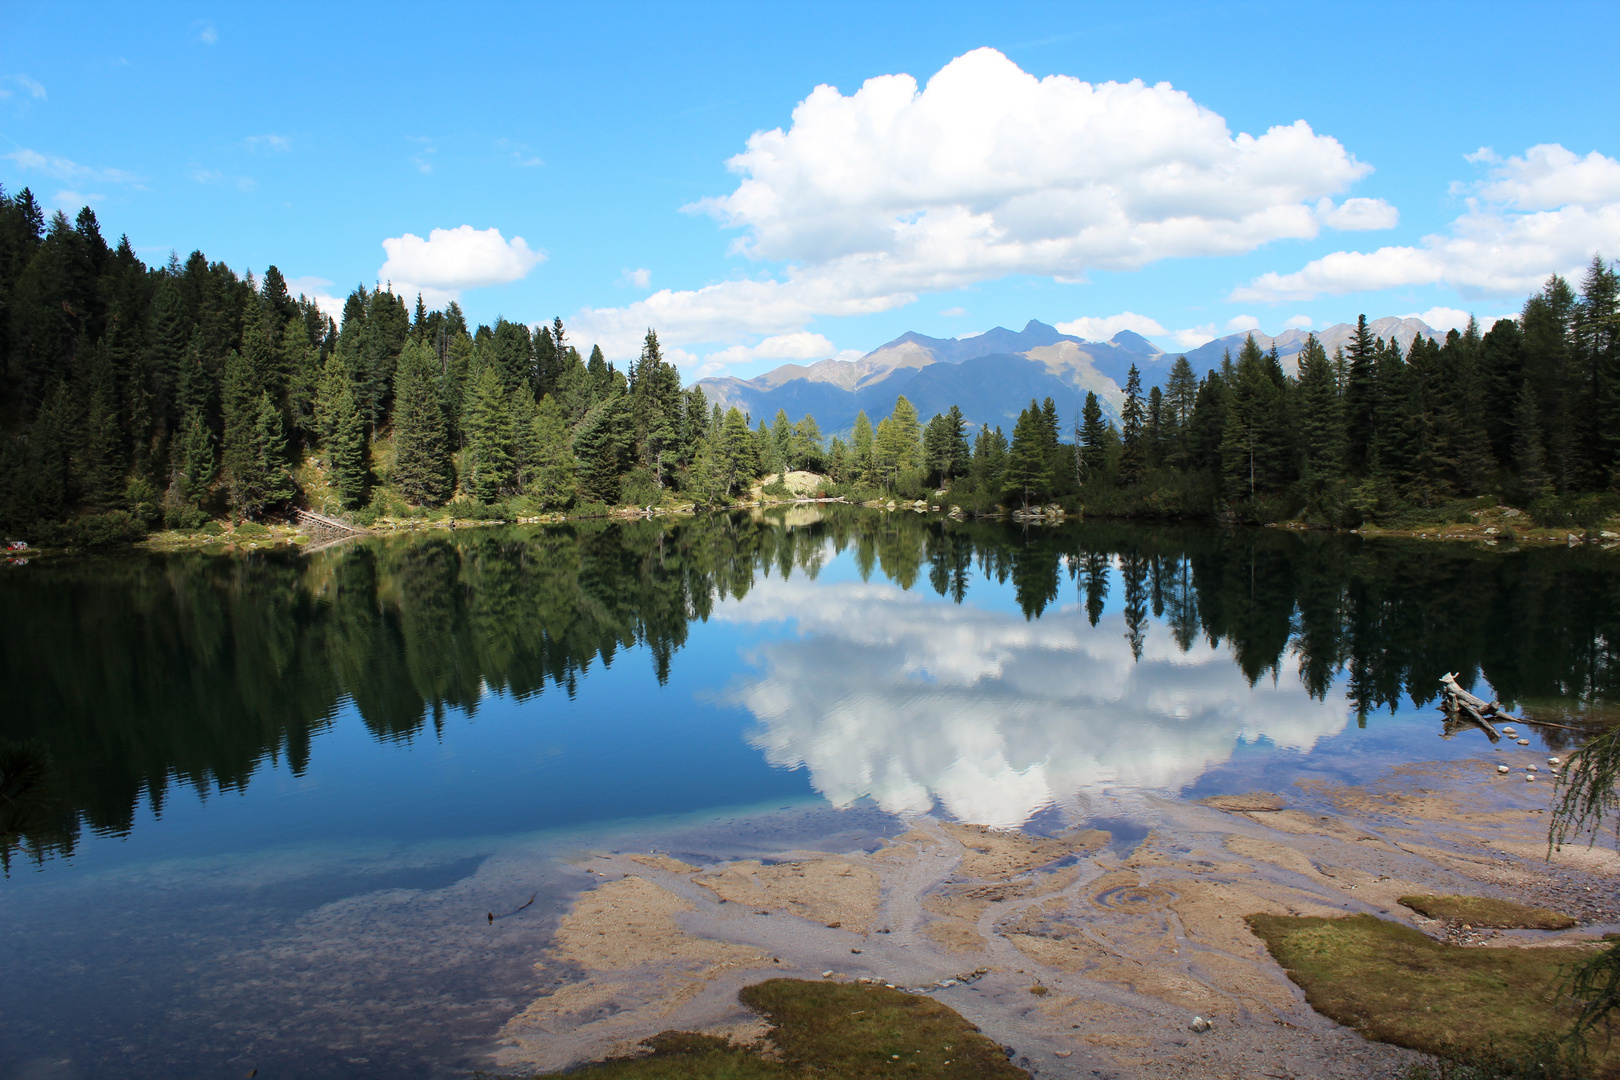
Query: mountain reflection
[
  {"x": 127, "y": 676},
  {"x": 889, "y": 696}
]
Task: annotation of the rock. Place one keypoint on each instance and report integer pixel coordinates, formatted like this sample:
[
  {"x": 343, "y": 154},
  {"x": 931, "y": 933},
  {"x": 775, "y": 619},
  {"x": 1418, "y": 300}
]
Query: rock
[
  {"x": 1529, "y": 768},
  {"x": 826, "y": 974},
  {"x": 1200, "y": 1025},
  {"x": 1524, "y": 742},
  {"x": 1554, "y": 761},
  {"x": 1501, "y": 768},
  {"x": 1511, "y": 512},
  {"x": 1529, "y": 776}
]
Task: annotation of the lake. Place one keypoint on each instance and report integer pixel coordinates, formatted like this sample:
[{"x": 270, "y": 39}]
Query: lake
[{"x": 291, "y": 806}]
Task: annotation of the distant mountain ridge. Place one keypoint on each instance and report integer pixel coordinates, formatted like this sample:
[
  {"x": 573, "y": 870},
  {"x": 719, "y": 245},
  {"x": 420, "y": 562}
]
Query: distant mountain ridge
[{"x": 992, "y": 376}]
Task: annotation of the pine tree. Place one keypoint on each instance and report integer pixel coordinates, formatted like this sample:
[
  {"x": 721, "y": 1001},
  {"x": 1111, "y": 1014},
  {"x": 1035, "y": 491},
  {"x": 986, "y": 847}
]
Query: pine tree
[
  {"x": 907, "y": 438},
  {"x": 1133, "y": 461},
  {"x": 1528, "y": 459},
  {"x": 422, "y": 470},
  {"x": 1360, "y": 398},
  {"x": 1321, "y": 414},
  {"x": 270, "y": 439},
  {"x": 861, "y": 447},
  {"x": 599, "y": 445},
  {"x": 552, "y": 473},
  {"x": 735, "y": 453},
  {"x": 346, "y": 447},
  {"x": 1028, "y": 460},
  {"x": 1181, "y": 393},
  {"x": 197, "y": 469},
  {"x": 989, "y": 459},
  {"x": 488, "y": 432},
  {"x": 241, "y": 457},
  {"x": 1093, "y": 456}
]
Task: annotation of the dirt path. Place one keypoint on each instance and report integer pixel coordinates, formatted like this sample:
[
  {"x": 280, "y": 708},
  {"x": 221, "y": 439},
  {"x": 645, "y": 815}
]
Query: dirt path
[{"x": 1090, "y": 959}]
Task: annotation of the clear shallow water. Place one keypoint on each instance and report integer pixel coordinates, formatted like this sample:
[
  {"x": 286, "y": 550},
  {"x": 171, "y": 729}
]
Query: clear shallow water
[{"x": 285, "y": 791}]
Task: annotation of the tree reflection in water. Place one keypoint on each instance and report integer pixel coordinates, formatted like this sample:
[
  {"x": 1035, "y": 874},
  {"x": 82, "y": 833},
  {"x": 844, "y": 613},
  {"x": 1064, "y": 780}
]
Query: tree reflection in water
[{"x": 130, "y": 674}]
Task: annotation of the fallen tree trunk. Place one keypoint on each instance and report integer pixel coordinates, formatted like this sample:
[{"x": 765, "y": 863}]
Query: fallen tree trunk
[{"x": 1462, "y": 707}]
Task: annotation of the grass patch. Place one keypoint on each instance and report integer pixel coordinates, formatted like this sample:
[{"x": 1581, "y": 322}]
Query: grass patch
[
  {"x": 1397, "y": 985},
  {"x": 1482, "y": 911},
  {"x": 832, "y": 1031}
]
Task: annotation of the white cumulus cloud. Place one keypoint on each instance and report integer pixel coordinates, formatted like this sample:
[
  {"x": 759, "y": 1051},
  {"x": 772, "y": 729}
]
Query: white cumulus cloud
[
  {"x": 875, "y": 197},
  {"x": 1544, "y": 213},
  {"x": 1237, "y": 324},
  {"x": 1194, "y": 336},
  {"x": 1442, "y": 318},
  {"x": 316, "y": 289},
  {"x": 802, "y": 345},
  {"x": 885, "y": 694},
  {"x": 1357, "y": 215},
  {"x": 1101, "y": 329},
  {"x": 452, "y": 260},
  {"x": 1303, "y": 322}
]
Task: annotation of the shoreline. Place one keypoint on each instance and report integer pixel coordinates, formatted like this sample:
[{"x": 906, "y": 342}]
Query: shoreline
[{"x": 1079, "y": 954}]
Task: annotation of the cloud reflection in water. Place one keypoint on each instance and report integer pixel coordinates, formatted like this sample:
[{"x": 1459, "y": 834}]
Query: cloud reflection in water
[{"x": 905, "y": 699}]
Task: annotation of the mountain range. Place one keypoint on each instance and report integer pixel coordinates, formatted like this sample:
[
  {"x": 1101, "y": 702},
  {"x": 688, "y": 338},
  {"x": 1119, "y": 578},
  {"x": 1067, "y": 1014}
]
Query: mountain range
[{"x": 992, "y": 376}]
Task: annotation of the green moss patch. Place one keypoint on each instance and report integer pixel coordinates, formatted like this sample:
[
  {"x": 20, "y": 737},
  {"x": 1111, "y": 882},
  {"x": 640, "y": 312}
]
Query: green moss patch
[
  {"x": 832, "y": 1031},
  {"x": 1397, "y": 985},
  {"x": 1483, "y": 911}
]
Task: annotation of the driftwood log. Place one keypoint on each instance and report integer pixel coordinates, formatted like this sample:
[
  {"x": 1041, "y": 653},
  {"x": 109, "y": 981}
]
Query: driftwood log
[{"x": 1463, "y": 709}]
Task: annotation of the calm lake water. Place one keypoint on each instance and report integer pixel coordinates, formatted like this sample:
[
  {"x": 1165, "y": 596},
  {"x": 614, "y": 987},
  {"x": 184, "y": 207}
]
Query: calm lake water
[{"x": 286, "y": 790}]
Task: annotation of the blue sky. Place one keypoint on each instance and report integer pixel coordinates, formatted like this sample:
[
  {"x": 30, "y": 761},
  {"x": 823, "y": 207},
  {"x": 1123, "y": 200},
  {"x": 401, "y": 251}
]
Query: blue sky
[{"x": 1004, "y": 185}]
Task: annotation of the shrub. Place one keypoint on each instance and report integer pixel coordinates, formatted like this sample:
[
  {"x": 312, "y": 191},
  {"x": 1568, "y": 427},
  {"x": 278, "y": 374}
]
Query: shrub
[
  {"x": 187, "y": 519},
  {"x": 114, "y": 528},
  {"x": 1574, "y": 511},
  {"x": 639, "y": 489},
  {"x": 252, "y": 530}
]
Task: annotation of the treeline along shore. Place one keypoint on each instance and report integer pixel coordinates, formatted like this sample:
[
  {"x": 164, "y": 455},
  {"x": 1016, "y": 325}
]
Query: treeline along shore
[{"x": 137, "y": 398}]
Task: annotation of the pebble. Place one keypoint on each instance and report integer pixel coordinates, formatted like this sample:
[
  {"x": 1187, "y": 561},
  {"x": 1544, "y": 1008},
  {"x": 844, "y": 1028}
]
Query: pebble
[
  {"x": 1200, "y": 1025},
  {"x": 1529, "y": 768},
  {"x": 1554, "y": 761},
  {"x": 1524, "y": 742},
  {"x": 1501, "y": 768},
  {"x": 826, "y": 974},
  {"x": 1529, "y": 776},
  {"x": 1509, "y": 731}
]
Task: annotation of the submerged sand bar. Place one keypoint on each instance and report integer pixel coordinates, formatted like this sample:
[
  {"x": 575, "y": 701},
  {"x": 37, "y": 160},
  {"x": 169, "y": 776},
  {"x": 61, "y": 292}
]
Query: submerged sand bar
[{"x": 1088, "y": 957}]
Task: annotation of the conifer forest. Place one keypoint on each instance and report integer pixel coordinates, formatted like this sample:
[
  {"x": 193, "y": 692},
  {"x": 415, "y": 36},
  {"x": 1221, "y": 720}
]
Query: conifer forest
[{"x": 138, "y": 398}]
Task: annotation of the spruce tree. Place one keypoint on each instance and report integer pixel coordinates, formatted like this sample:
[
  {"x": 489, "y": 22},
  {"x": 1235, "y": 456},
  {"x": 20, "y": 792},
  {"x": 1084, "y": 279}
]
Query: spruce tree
[
  {"x": 346, "y": 448},
  {"x": 241, "y": 458},
  {"x": 861, "y": 448},
  {"x": 1528, "y": 458},
  {"x": 1027, "y": 472},
  {"x": 1181, "y": 393},
  {"x": 1133, "y": 461},
  {"x": 1093, "y": 435},
  {"x": 1360, "y": 397},
  {"x": 422, "y": 470},
  {"x": 197, "y": 467},
  {"x": 552, "y": 473},
  {"x": 487, "y": 428},
  {"x": 598, "y": 447},
  {"x": 1321, "y": 414}
]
